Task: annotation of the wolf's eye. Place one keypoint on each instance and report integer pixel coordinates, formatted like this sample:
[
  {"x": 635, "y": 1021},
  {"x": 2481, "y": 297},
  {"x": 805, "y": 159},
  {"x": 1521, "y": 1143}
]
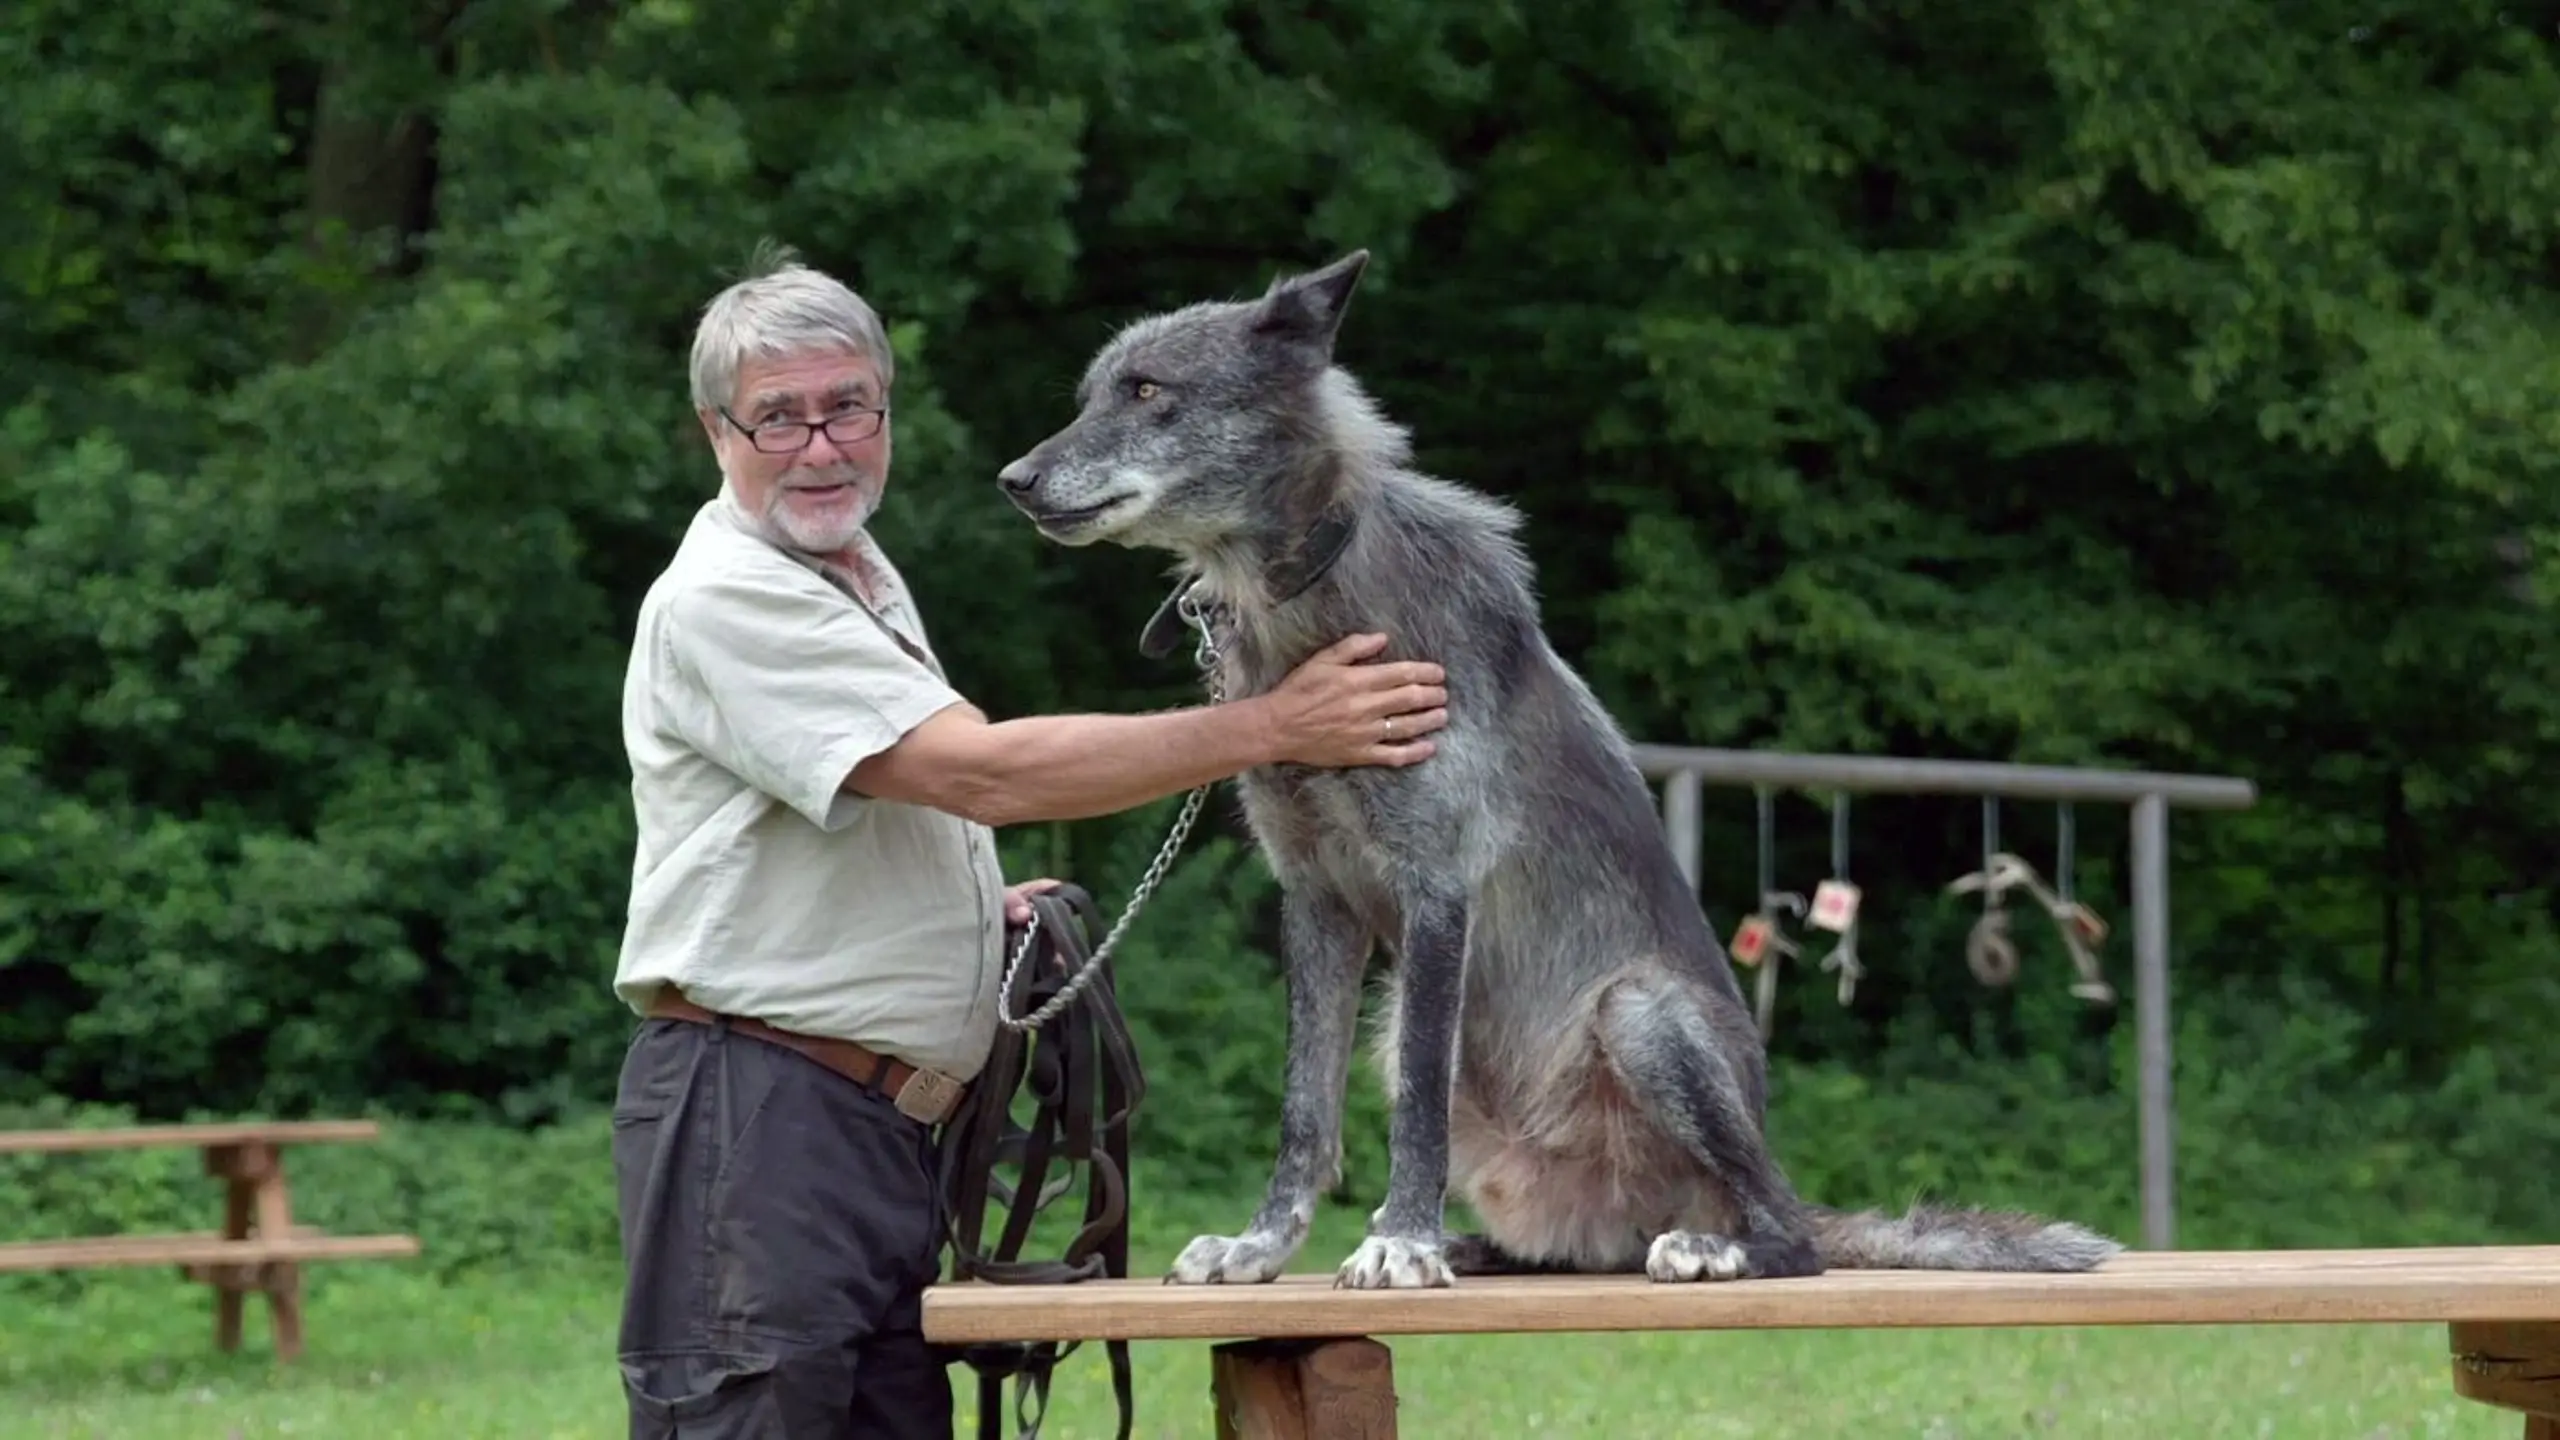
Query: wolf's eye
[{"x": 1145, "y": 390}]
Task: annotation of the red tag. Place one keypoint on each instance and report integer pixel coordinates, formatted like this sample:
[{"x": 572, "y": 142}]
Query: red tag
[{"x": 1751, "y": 941}]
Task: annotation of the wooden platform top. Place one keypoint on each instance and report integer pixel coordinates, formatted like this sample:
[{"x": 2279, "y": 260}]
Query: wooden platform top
[
  {"x": 138, "y": 1137},
  {"x": 2196, "y": 1287}
]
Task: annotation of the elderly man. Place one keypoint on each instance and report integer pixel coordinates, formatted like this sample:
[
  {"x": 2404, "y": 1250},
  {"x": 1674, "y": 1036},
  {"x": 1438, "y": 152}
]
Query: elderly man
[{"x": 817, "y": 921}]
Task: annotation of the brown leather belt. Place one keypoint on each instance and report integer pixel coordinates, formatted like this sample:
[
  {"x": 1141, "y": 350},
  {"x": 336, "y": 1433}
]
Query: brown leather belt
[{"x": 928, "y": 1096}]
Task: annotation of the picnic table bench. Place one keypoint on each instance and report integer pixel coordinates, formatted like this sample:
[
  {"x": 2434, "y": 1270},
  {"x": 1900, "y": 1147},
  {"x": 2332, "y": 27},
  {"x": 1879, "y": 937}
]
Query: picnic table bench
[
  {"x": 259, "y": 1248},
  {"x": 1302, "y": 1359}
]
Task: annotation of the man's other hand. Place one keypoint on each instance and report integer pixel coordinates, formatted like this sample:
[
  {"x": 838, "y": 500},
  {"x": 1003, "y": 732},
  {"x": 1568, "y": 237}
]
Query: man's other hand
[{"x": 1017, "y": 899}]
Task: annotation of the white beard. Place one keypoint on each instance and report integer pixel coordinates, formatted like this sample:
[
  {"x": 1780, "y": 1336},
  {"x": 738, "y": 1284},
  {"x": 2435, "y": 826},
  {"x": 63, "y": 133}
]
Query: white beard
[
  {"x": 821, "y": 535},
  {"x": 829, "y": 536}
]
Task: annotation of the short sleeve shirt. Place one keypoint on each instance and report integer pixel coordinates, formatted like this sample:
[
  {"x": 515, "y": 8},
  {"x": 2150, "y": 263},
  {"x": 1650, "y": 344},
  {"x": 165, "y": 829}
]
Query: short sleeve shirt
[{"x": 759, "y": 884}]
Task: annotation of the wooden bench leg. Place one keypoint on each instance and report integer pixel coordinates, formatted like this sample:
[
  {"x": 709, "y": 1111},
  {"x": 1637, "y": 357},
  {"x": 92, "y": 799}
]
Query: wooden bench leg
[
  {"x": 1342, "y": 1389},
  {"x": 238, "y": 1193},
  {"x": 254, "y": 1190},
  {"x": 2513, "y": 1365}
]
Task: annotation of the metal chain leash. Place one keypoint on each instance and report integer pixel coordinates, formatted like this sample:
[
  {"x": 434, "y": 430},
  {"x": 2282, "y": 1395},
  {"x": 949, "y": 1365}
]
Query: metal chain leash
[{"x": 1207, "y": 656}]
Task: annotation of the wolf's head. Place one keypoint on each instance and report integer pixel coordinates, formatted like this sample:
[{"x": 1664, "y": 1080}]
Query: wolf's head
[{"x": 1188, "y": 420}]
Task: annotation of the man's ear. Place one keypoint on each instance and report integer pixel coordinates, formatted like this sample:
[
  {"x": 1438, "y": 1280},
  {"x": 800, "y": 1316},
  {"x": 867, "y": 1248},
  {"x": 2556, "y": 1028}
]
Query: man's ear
[
  {"x": 711, "y": 423},
  {"x": 1307, "y": 309}
]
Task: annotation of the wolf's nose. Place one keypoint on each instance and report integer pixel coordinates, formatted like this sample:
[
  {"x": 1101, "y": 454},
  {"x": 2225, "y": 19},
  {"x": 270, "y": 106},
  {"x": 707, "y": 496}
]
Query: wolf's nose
[{"x": 1020, "y": 478}]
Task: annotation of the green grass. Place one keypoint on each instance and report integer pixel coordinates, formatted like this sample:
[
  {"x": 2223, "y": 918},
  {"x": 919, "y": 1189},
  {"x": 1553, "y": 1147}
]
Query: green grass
[{"x": 395, "y": 1354}]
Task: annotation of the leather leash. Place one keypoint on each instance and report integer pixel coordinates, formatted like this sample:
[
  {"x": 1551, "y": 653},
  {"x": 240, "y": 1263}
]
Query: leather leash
[{"x": 1081, "y": 1071}]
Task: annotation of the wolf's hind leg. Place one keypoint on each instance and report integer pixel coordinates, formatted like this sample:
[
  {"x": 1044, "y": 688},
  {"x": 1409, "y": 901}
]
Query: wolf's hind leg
[
  {"x": 1660, "y": 1048},
  {"x": 1323, "y": 950}
]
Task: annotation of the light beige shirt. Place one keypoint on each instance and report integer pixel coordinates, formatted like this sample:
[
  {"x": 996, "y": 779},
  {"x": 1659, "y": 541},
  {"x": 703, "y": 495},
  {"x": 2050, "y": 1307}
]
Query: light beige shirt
[{"x": 761, "y": 886}]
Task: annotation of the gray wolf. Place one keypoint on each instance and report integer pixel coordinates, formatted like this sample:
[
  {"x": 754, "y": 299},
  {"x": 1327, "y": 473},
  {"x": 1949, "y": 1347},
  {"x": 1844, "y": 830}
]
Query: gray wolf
[{"x": 1562, "y": 1038}]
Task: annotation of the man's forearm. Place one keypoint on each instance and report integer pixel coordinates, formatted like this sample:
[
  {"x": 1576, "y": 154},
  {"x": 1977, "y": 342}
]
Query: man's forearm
[
  {"x": 1333, "y": 711},
  {"x": 1070, "y": 767}
]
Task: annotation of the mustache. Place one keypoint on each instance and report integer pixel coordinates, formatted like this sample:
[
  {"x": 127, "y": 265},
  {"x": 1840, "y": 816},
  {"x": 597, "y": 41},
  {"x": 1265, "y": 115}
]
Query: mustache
[{"x": 821, "y": 477}]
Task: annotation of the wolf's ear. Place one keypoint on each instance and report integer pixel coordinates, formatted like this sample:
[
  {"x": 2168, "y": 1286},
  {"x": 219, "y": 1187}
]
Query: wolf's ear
[{"x": 1307, "y": 309}]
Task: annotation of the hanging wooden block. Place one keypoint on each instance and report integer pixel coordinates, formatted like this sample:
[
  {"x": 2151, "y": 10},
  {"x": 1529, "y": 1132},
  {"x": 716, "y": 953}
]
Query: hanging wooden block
[{"x": 1835, "y": 906}]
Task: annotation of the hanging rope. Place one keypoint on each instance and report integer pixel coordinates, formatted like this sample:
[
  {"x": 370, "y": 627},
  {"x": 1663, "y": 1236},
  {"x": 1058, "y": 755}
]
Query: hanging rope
[
  {"x": 1835, "y": 905},
  {"x": 2082, "y": 931},
  {"x": 1761, "y": 941},
  {"x": 1990, "y": 952}
]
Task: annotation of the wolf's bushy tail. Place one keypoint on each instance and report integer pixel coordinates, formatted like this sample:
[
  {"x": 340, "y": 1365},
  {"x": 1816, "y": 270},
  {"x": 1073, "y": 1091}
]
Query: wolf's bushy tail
[{"x": 1946, "y": 1237}]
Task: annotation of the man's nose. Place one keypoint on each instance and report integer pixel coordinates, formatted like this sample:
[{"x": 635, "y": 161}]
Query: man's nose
[
  {"x": 1021, "y": 477},
  {"x": 821, "y": 450}
]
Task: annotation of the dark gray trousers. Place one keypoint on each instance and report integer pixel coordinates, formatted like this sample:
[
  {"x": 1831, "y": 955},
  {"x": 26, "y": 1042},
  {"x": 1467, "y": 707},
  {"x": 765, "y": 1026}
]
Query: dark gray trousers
[{"x": 779, "y": 1223}]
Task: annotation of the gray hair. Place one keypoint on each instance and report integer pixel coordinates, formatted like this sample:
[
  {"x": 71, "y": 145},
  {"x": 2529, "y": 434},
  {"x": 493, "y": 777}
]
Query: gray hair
[{"x": 782, "y": 307}]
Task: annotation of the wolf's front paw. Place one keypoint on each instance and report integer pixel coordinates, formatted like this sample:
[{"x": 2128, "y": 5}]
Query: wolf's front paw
[
  {"x": 1247, "y": 1259},
  {"x": 1393, "y": 1262},
  {"x": 1683, "y": 1255}
]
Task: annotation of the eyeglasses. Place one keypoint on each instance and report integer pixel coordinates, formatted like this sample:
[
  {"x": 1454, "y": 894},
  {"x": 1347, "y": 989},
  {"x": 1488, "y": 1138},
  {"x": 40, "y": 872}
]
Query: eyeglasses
[{"x": 785, "y": 437}]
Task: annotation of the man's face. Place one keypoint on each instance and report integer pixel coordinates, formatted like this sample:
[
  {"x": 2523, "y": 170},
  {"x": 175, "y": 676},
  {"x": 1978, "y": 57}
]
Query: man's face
[{"x": 817, "y": 497}]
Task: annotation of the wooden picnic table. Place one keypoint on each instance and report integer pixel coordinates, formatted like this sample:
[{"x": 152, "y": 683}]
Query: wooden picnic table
[
  {"x": 1302, "y": 1359},
  {"x": 259, "y": 1247}
]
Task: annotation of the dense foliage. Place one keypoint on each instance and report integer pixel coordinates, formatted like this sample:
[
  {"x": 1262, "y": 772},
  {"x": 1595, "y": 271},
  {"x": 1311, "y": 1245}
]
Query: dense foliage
[{"x": 2173, "y": 384}]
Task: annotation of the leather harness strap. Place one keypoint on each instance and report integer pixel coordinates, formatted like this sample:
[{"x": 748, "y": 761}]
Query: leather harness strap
[{"x": 1082, "y": 1074}]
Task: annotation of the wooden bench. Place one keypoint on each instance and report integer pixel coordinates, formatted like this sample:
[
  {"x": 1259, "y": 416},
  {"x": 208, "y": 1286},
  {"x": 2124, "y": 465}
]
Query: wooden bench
[
  {"x": 1302, "y": 1359},
  {"x": 259, "y": 1247}
]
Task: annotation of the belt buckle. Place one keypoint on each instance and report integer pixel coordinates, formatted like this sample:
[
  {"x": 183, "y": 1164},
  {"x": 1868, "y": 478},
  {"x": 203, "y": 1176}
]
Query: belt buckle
[{"x": 928, "y": 1096}]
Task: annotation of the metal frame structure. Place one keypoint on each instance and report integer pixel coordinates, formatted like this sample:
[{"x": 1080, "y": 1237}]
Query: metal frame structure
[{"x": 1684, "y": 772}]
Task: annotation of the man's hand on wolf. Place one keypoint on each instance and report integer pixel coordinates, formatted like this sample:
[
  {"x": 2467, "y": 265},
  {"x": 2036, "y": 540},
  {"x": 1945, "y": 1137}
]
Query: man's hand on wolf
[{"x": 1340, "y": 709}]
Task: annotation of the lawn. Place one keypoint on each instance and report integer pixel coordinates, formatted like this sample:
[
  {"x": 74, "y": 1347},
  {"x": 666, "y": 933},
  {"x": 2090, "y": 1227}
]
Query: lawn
[{"x": 394, "y": 1354}]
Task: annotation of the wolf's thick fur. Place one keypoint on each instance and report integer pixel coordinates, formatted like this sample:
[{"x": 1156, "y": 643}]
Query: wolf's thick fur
[{"x": 1563, "y": 1041}]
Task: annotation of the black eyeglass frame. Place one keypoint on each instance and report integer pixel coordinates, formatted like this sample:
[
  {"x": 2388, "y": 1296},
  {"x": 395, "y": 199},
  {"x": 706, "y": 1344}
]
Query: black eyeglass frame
[{"x": 867, "y": 418}]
